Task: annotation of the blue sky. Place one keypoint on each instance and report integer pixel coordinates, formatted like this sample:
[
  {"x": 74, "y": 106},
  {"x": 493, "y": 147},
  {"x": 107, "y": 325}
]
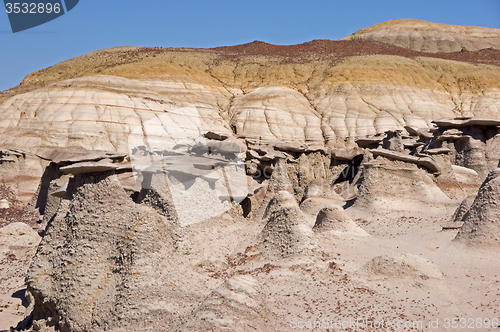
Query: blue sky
[{"x": 94, "y": 25}]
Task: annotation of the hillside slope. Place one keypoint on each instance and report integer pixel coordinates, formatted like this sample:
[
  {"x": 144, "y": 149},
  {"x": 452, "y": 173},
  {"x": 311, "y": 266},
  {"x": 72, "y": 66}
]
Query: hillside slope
[{"x": 431, "y": 37}]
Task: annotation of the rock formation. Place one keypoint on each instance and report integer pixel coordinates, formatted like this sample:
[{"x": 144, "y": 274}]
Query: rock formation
[
  {"x": 168, "y": 183},
  {"x": 335, "y": 219},
  {"x": 112, "y": 248},
  {"x": 403, "y": 265},
  {"x": 286, "y": 234},
  {"x": 398, "y": 186},
  {"x": 481, "y": 226},
  {"x": 237, "y": 305},
  {"x": 430, "y": 37}
]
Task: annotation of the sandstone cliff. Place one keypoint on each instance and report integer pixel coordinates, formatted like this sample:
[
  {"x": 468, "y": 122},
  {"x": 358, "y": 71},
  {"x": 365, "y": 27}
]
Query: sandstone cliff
[{"x": 319, "y": 95}]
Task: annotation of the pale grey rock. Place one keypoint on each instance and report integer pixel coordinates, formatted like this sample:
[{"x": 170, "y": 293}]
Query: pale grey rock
[
  {"x": 481, "y": 226},
  {"x": 426, "y": 162},
  {"x": 403, "y": 265},
  {"x": 467, "y": 122},
  {"x": 286, "y": 234},
  {"x": 237, "y": 305},
  {"x": 334, "y": 219}
]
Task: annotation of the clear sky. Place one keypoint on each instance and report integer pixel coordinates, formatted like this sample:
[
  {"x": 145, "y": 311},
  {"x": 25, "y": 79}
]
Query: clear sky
[{"x": 97, "y": 24}]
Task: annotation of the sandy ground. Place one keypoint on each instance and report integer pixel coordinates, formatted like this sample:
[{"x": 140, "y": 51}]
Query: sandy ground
[
  {"x": 337, "y": 289},
  {"x": 469, "y": 290}
]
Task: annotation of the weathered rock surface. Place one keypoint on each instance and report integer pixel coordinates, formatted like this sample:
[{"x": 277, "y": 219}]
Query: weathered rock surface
[
  {"x": 481, "y": 226},
  {"x": 120, "y": 257},
  {"x": 18, "y": 243},
  {"x": 403, "y": 265},
  {"x": 109, "y": 265},
  {"x": 335, "y": 219},
  {"x": 398, "y": 186},
  {"x": 340, "y": 92},
  {"x": 463, "y": 208},
  {"x": 287, "y": 234},
  {"x": 237, "y": 305}
]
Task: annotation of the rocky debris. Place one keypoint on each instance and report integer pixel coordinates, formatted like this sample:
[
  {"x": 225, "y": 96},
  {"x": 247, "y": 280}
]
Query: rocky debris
[
  {"x": 286, "y": 234},
  {"x": 334, "y": 219},
  {"x": 402, "y": 266},
  {"x": 431, "y": 37},
  {"x": 237, "y": 305},
  {"x": 481, "y": 226}
]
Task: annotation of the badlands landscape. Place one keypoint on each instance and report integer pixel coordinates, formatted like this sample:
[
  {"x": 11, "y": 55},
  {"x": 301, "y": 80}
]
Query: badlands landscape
[{"x": 332, "y": 185}]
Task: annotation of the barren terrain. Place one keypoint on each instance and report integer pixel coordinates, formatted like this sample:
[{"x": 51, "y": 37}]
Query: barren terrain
[{"x": 332, "y": 185}]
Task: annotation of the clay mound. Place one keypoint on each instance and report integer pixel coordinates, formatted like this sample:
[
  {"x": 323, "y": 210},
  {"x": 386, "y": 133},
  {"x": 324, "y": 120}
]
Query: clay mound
[
  {"x": 481, "y": 223},
  {"x": 334, "y": 219},
  {"x": 430, "y": 37},
  {"x": 282, "y": 200},
  {"x": 101, "y": 263},
  {"x": 463, "y": 208},
  {"x": 236, "y": 305},
  {"x": 286, "y": 234},
  {"x": 396, "y": 186},
  {"x": 313, "y": 205},
  {"x": 402, "y": 265}
]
